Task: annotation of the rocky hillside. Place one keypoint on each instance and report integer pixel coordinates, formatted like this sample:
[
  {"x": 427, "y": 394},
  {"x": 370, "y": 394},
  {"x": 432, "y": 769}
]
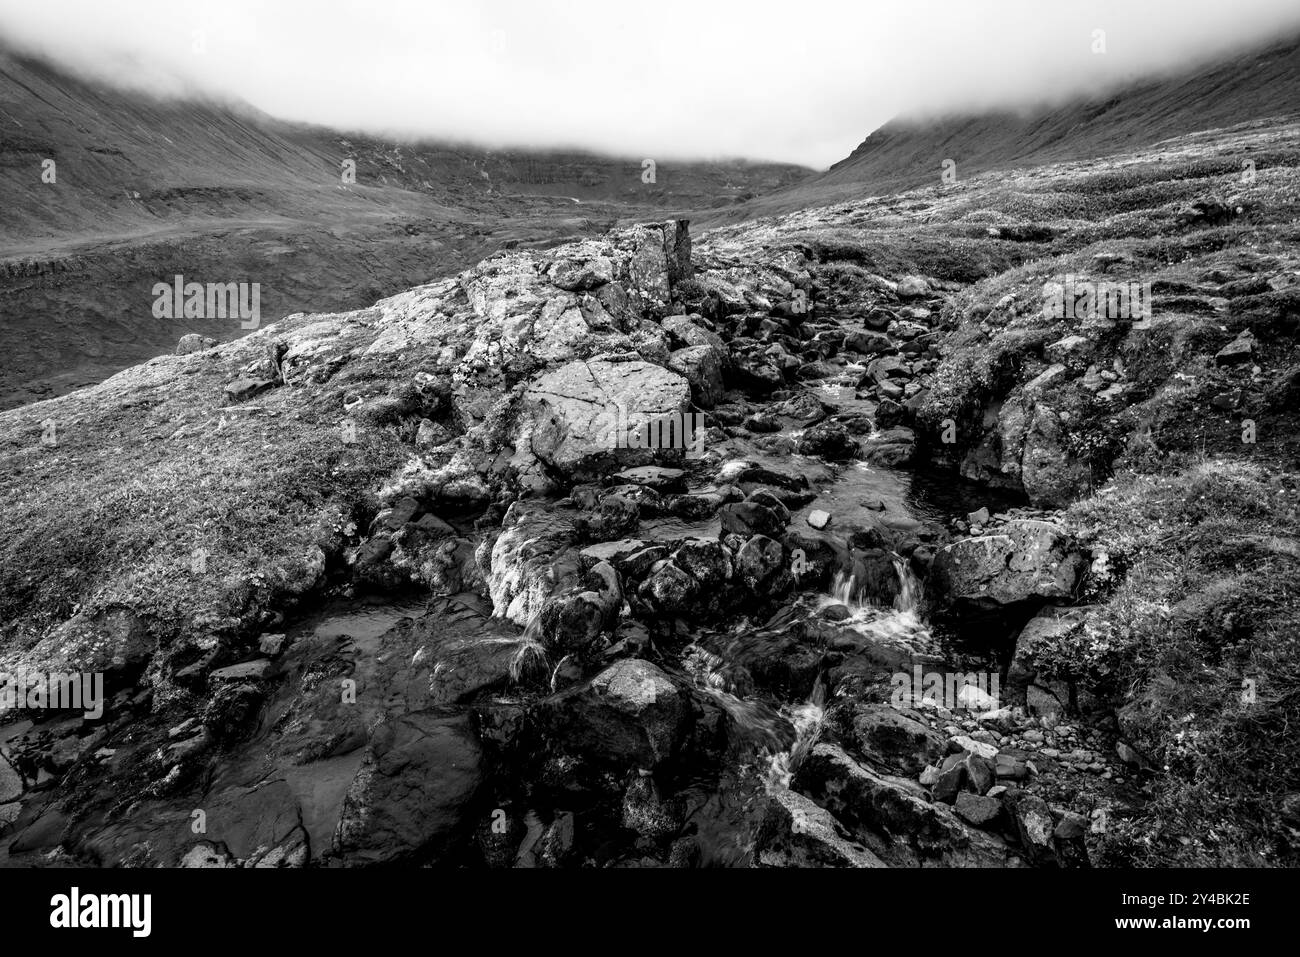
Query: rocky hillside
[
  {"x": 410, "y": 584},
  {"x": 142, "y": 189}
]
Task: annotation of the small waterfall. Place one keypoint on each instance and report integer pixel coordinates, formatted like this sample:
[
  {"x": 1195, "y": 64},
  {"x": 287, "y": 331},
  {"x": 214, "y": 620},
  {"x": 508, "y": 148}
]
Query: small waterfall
[
  {"x": 908, "y": 599},
  {"x": 846, "y": 591},
  {"x": 807, "y": 719},
  {"x": 900, "y": 624}
]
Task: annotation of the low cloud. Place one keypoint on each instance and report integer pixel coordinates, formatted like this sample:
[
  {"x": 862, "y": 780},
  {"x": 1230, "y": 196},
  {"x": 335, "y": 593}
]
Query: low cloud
[{"x": 669, "y": 79}]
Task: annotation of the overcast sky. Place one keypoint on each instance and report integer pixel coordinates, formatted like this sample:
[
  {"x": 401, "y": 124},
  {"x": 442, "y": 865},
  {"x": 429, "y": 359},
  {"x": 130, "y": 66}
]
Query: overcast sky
[{"x": 796, "y": 80}]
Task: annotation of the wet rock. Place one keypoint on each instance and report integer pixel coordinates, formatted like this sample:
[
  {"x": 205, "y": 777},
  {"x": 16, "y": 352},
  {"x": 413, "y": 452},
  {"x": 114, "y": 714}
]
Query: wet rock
[
  {"x": 893, "y": 816},
  {"x": 750, "y": 518},
  {"x": 646, "y": 812},
  {"x": 233, "y": 710},
  {"x": 669, "y": 591},
  {"x": 869, "y": 343},
  {"x": 756, "y": 373},
  {"x": 830, "y": 441},
  {"x": 257, "y": 670},
  {"x": 615, "y": 516},
  {"x": 892, "y": 448},
  {"x": 896, "y": 738},
  {"x": 760, "y": 564},
  {"x": 769, "y": 499},
  {"x": 803, "y": 407},
  {"x": 631, "y": 715},
  {"x": 696, "y": 508},
  {"x": 572, "y": 623},
  {"x": 795, "y": 832},
  {"x": 704, "y": 560},
  {"x": 872, "y": 568},
  {"x": 889, "y": 414},
  {"x": 813, "y": 560},
  {"x": 886, "y": 368},
  {"x": 762, "y": 422},
  {"x": 653, "y": 476},
  {"x": 744, "y": 473},
  {"x": 531, "y": 559},
  {"x": 411, "y": 796}
]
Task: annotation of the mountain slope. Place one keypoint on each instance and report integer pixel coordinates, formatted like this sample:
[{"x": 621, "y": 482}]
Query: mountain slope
[{"x": 910, "y": 152}]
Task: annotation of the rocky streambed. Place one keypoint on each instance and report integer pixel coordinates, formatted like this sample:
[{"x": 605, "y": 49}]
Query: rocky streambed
[{"x": 537, "y": 642}]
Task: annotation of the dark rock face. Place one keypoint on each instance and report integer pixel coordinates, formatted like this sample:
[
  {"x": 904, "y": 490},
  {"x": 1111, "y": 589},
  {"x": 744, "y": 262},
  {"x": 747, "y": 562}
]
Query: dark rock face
[
  {"x": 1025, "y": 560},
  {"x": 410, "y": 798},
  {"x": 631, "y": 715}
]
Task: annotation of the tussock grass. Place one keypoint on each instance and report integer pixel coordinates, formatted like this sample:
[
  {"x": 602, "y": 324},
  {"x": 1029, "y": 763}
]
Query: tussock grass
[{"x": 1212, "y": 600}]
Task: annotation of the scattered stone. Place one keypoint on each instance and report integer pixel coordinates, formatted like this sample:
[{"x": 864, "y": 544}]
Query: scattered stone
[
  {"x": 242, "y": 390},
  {"x": 271, "y": 645},
  {"x": 1241, "y": 349},
  {"x": 976, "y": 809}
]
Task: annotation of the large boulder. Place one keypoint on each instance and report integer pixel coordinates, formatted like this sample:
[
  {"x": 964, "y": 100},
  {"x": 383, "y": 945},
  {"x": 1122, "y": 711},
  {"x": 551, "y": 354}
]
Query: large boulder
[
  {"x": 585, "y": 415},
  {"x": 1024, "y": 560},
  {"x": 630, "y": 716}
]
